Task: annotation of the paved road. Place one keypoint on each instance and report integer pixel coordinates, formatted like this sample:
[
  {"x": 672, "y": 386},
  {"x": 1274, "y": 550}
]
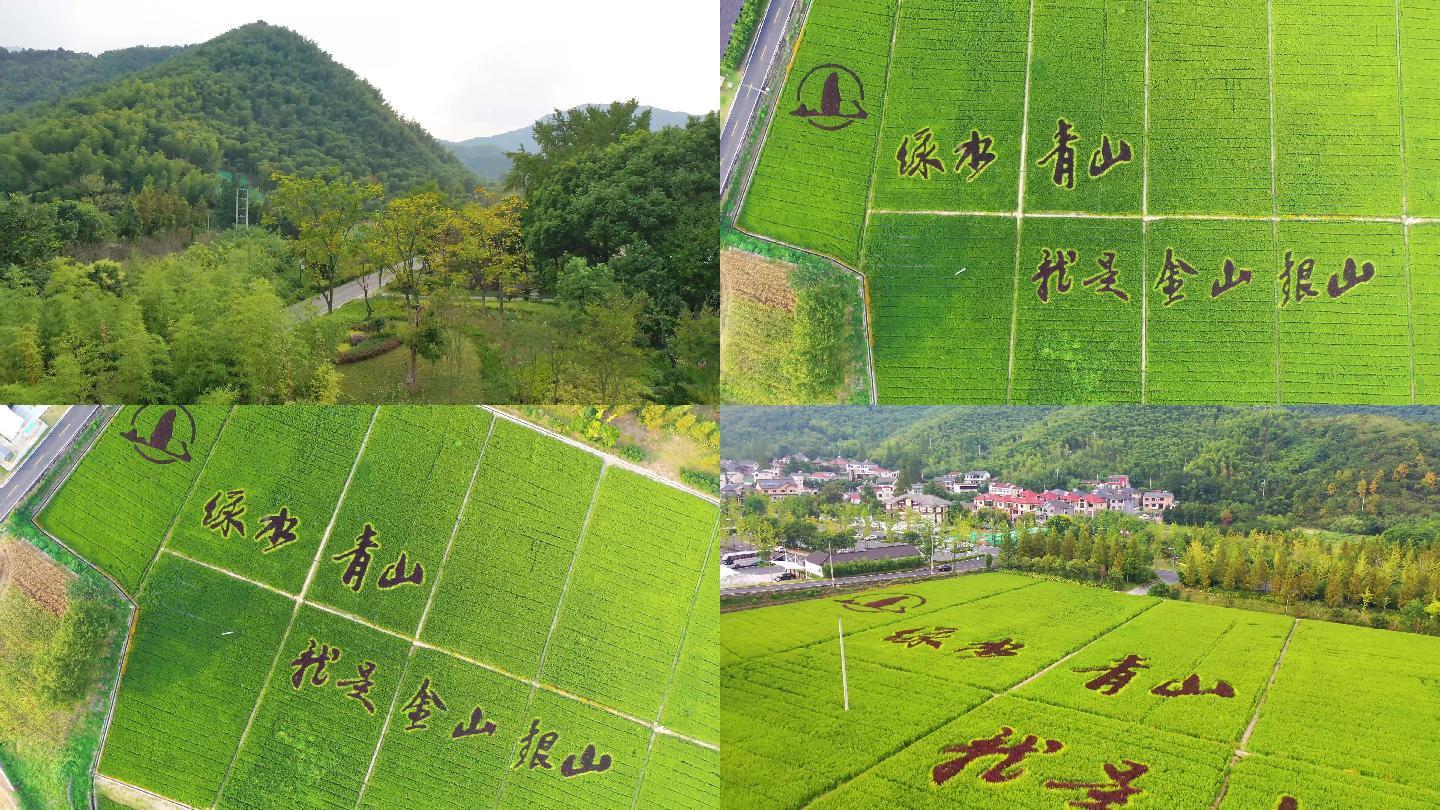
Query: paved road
[
  {"x": 971, "y": 565},
  {"x": 55, "y": 442},
  {"x": 753, "y": 74},
  {"x": 1166, "y": 576},
  {"x": 344, "y": 294}
]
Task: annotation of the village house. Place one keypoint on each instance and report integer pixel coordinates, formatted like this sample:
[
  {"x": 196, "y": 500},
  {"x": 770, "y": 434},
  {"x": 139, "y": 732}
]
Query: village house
[
  {"x": 927, "y": 506},
  {"x": 1156, "y": 500},
  {"x": 777, "y": 488},
  {"x": 20, "y": 430}
]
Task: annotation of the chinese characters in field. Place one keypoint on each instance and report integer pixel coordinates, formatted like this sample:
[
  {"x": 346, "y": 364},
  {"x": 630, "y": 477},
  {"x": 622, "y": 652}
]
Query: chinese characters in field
[
  {"x": 935, "y": 638},
  {"x": 360, "y": 556},
  {"x": 223, "y": 512},
  {"x": 1115, "y": 676},
  {"x": 1053, "y": 277},
  {"x": 916, "y": 155},
  {"x": 1004, "y": 761},
  {"x": 309, "y": 669}
]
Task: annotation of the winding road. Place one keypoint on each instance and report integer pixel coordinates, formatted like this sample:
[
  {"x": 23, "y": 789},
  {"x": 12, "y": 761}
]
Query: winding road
[{"x": 753, "y": 75}]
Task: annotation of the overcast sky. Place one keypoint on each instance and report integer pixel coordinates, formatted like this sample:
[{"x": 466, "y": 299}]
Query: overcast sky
[{"x": 461, "y": 68}]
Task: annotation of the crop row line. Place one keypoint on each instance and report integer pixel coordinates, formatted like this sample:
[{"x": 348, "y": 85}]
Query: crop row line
[{"x": 1143, "y": 217}]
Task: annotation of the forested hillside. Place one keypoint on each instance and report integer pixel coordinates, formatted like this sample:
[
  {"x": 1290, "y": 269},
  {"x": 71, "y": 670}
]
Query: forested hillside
[
  {"x": 258, "y": 99},
  {"x": 28, "y": 76},
  {"x": 1351, "y": 469}
]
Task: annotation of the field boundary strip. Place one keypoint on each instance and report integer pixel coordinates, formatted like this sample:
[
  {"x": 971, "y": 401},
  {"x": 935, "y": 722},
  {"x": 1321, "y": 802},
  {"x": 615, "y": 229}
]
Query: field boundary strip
[
  {"x": 555, "y": 618},
  {"x": 425, "y": 614},
  {"x": 299, "y": 602},
  {"x": 1144, "y": 222},
  {"x": 1404, "y": 192},
  {"x": 869, "y": 200},
  {"x": 1240, "y": 751},
  {"x": 1320, "y": 218},
  {"x": 1008, "y": 691},
  {"x": 610, "y": 460},
  {"x": 1020, "y": 204},
  {"x": 675, "y": 664},
  {"x": 1274, "y": 191}
]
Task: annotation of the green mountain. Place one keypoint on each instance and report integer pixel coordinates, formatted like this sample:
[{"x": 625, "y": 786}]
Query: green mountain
[
  {"x": 486, "y": 155},
  {"x": 1268, "y": 465},
  {"x": 28, "y": 76},
  {"x": 258, "y": 99}
]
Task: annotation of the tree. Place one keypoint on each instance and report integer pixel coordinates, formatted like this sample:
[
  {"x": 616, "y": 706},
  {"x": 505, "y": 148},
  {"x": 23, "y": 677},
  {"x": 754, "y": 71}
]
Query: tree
[
  {"x": 322, "y": 213},
  {"x": 565, "y": 134},
  {"x": 492, "y": 246},
  {"x": 419, "y": 232},
  {"x": 1413, "y": 614},
  {"x": 605, "y": 333}
]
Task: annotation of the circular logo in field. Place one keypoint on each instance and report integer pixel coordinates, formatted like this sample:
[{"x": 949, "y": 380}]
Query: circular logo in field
[
  {"x": 161, "y": 435},
  {"x": 829, "y": 97},
  {"x": 883, "y": 602}
]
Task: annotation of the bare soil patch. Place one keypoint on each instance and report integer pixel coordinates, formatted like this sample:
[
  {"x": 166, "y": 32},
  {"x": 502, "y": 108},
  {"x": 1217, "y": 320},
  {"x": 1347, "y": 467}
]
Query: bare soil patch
[
  {"x": 756, "y": 278},
  {"x": 32, "y": 573}
]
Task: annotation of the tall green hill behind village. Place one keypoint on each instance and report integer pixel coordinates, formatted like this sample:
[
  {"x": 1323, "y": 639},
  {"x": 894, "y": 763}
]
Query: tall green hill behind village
[{"x": 257, "y": 99}]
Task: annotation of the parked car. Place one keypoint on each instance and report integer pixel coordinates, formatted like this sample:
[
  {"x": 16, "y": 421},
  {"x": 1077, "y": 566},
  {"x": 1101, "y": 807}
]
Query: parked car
[{"x": 786, "y": 575}]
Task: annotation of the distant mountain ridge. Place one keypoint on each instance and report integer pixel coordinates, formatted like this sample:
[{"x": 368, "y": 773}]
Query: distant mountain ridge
[
  {"x": 485, "y": 155},
  {"x": 28, "y": 75}
]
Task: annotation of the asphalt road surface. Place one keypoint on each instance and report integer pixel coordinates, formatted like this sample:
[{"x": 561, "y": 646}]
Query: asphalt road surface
[
  {"x": 344, "y": 294},
  {"x": 52, "y": 444},
  {"x": 964, "y": 567},
  {"x": 753, "y": 73}
]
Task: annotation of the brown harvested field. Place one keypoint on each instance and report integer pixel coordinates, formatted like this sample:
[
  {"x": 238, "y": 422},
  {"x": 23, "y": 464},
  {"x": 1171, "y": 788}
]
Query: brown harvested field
[
  {"x": 32, "y": 573},
  {"x": 755, "y": 278}
]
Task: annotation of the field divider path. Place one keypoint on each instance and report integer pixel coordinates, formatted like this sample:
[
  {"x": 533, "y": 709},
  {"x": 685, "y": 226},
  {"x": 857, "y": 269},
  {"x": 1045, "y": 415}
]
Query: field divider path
[
  {"x": 424, "y": 614},
  {"x": 1404, "y": 195},
  {"x": 993, "y": 695},
  {"x": 675, "y": 664},
  {"x": 869, "y": 201},
  {"x": 1019, "y": 212},
  {"x": 1254, "y": 718},
  {"x": 610, "y": 460},
  {"x": 1274, "y": 193},
  {"x": 299, "y": 602},
  {"x": 1144, "y": 221},
  {"x": 559, "y": 607}
]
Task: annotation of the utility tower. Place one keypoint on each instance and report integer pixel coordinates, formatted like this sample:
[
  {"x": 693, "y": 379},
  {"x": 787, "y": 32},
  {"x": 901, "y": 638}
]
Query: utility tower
[{"x": 242, "y": 204}]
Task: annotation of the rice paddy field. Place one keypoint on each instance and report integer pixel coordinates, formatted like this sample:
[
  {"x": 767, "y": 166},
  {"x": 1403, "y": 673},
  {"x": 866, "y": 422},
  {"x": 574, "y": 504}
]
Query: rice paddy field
[
  {"x": 1000, "y": 690},
  {"x": 1115, "y": 201},
  {"x": 418, "y": 607}
]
